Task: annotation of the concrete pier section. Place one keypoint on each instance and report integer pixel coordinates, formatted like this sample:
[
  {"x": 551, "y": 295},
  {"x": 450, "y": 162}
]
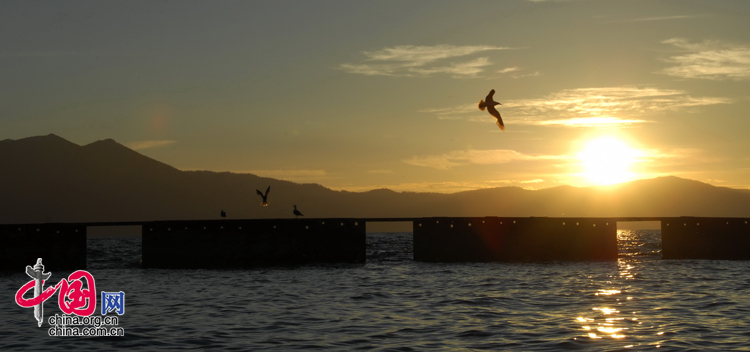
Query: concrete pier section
[
  {"x": 496, "y": 239},
  {"x": 705, "y": 238},
  {"x": 61, "y": 246},
  {"x": 251, "y": 243}
]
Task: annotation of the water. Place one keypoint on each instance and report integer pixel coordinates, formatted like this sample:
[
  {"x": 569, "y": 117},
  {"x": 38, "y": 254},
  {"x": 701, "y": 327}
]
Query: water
[{"x": 392, "y": 303}]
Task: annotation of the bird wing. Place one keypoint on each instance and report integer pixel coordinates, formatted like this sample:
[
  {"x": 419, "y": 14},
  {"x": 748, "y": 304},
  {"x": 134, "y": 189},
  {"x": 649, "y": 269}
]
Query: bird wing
[
  {"x": 489, "y": 97},
  {"x": 260, "y": 194},
  {"x": 496, "y": 114},
  {"x": 268, "y": 190}
]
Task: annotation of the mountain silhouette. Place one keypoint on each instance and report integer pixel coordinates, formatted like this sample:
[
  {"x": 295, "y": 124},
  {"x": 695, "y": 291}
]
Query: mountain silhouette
[{"x": 49, "y": 179}]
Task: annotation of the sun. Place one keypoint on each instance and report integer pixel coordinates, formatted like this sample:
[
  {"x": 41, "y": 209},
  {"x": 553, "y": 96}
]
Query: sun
[{"x": 607, "y": 161}]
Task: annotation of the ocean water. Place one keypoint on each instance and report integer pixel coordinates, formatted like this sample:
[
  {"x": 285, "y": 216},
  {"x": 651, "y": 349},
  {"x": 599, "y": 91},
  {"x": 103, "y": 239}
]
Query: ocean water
[{"x": 639, "y": 302}]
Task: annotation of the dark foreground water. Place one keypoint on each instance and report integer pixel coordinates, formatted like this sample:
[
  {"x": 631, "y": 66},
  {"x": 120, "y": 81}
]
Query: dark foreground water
[{"x": 392, "y": 303}]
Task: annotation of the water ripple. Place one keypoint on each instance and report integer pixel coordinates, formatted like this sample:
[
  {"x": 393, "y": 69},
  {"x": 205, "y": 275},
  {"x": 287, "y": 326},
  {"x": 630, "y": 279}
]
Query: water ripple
[{"x": 392, "y": 303}]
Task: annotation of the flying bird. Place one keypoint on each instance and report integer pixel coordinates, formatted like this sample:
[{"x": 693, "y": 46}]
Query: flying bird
[
  {"x": 264, "y": 197},
  {"x": 490, "y": 103},
  {"x": 296, "y": 212},
  {"x": 223, "y": 214}
]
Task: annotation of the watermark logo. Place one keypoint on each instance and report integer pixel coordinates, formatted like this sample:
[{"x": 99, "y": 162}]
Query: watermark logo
[
  {"x": 112, "y": 301},
  {"x": 77, "y": 299}
]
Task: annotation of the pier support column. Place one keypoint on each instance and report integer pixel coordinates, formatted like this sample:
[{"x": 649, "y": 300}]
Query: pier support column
[
  {"x": 705, "y": 238},
  {"x": 61, "y": 246},
  {"x": 249, "y": 243},
  {"x": 492, "y": 239}
]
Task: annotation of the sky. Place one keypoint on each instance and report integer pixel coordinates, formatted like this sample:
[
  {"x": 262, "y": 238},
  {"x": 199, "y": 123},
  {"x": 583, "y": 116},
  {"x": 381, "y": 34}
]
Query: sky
[{"x": 361, "y": 95}]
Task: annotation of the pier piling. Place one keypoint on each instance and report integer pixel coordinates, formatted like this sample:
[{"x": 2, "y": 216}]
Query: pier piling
[
  {"x": 62, "y": 246},
  {"x": 492, "y": 239},
  {"x": 705, "y": 238},
  {"x": 251, "y": 243}
]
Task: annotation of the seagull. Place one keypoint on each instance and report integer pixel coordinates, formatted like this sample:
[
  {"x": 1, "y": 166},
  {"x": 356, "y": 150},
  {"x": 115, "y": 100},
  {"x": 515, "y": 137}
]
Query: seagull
[
  {"x": 490, "y": 103},
  {"x": 296, "y": 212},
  {"x": 264, "y": 202},
  {"x": 223, "y": 214}
]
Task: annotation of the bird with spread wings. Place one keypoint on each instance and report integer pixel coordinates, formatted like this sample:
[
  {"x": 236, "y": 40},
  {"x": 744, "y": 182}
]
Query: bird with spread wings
[
  {"x": 490, "y": 103},
  {"x": 264, "y": 197}
]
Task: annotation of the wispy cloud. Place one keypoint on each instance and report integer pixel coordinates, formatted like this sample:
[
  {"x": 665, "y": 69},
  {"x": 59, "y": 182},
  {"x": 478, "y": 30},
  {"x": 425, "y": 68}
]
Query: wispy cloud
[
  {"x": 290, "y": 175},
  {"x": 52, "y": 54},
  {"x": 553, "y": 0},
  {"x": 443, "y": 187},
  {"x": 664, "y": 158},
  {"x": 139, "y": 145},
  {"x": 434, "y": 187},
  {"x": 659, "y": 18},
  {"x": 468, "y": 68},
  {"x": 380, "y": 171},
  {"x": 522, "y": 75},
  {"x": 709, "y": 60},
  {"x": 508, "y": 69},
  {"x": 512, "y": 72},
  {"x": 589, "y": 122},
  {"x": 479, "y": 157},
  {"x": 421, "y": 61},
  {"x": 586, "y": 107}
]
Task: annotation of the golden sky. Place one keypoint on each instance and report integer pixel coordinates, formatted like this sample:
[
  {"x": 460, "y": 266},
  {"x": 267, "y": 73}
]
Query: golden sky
[{"x": 359, "y": 95}]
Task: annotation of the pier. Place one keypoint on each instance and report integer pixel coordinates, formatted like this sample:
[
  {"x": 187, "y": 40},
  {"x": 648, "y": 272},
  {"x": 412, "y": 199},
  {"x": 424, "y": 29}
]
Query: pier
[
  {"x": 493, "y": 239},
  {"x": 63, "y": 246},
  {"x": 705, "y": 238},
  {"x": 246, "y": 243},
  {"x": 250, "y": 243}
]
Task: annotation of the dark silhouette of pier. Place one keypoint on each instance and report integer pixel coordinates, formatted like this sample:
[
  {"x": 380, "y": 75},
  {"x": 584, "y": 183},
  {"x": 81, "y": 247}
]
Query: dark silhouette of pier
[{"x": 228, "y": 243}]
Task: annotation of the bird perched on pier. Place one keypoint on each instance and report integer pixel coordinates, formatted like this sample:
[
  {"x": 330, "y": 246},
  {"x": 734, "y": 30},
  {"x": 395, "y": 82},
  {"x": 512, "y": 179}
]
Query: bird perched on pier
[
  {"x": 223, "y": 214},
  {"x": 264, "y": 197},
  {"x": 296, "y": 212},
  {"x": 490, "y": 103}
]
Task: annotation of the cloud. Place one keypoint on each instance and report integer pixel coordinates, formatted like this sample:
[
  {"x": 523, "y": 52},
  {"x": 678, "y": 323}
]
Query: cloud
[
  {"x": 589, "y": 122},
  {"x": 659, "y": 18},
  {"x": 441, "y": 187},
  {"x": 434, "y": 187},
  {"x": 517, "y": 76},
  {"x": 381, "y": 171},
  {"x": 678, "y": 156},
  {"x": 553, "y": 0},
  {"x": 508, "y": 69},
  {"x": 139, "y": 145},
  {"x": 421, "y": 61},
  {"x": 479, "y": 157},
  {"x": 708, "y": 60},
  {"x": 291, "y": 175},
  {"x": 512, "y": 72},
  {"x": 586, "y": 107},
  {"x": 469, "y": 68}
]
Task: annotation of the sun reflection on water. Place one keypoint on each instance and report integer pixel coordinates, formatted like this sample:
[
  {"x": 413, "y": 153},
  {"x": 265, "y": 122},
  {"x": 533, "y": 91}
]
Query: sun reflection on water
[
  {"x": 605, "y": 324},
  {"x": 607, "y": 310},
  {"x": 607, "y": 292},
  {"x": 605, "y": 321},
  {"x": 625, "y": 273},
  {"x": 619, "y": 313}
]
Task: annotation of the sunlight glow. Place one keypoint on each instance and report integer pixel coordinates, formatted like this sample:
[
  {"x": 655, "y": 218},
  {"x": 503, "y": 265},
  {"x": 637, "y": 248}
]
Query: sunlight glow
[
  {"x": 607, "y": 292},
  {"x": 607, "y": 310},
  {"x": 607, "y": 161}
]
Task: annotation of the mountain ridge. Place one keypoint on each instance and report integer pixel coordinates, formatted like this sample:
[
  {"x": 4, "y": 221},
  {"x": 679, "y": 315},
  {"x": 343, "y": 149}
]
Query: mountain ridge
[{"x": 49, "y": 179}]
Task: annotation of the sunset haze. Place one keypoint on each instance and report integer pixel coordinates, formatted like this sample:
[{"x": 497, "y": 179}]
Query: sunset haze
[{"x": 366, "y": 95}]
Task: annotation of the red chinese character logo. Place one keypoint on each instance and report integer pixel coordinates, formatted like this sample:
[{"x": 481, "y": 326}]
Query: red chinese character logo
[{"x": 73, "y": 298}]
